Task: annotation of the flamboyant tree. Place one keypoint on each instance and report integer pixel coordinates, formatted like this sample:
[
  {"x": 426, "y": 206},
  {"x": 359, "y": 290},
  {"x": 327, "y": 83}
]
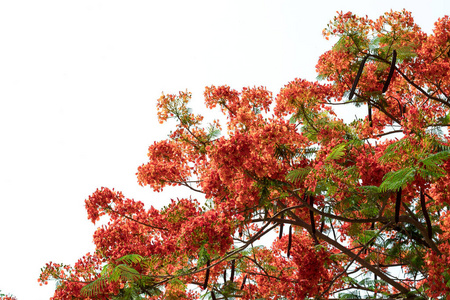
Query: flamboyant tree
[
  {"x": 359, "y": 209},
  {"x": 6, "y": 297}
]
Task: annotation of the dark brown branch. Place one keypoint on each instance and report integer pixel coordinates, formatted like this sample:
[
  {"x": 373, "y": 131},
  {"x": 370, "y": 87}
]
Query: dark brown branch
[
  {"x": 364, "y": 247},
  {"x": 411, "y": 219},
  {"x": 390, "y": 132},
  {"x": 259, "y": 266},
  {"x": 347, "y": 252},
  {"x": 213, "y": 296},
  {"x": 134, "y": 220}
]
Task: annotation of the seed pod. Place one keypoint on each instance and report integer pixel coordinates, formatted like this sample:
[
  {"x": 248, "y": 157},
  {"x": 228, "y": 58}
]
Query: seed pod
[
  {"x": 311, "y": 216},
  {"x": 243, "y": 282},
  {"x": 400, "y": 108},
  {"x": 391, "y": 71},
  {"x": 358, "y": 75},
  {"x": 225, "y": 276},
  {"x": 281, "y": 228},
  {"x": 290, "y": 242},
  {"x": 321, "y": 226},
  {"x": 213, "y": 296},
  {"x": 232, "y": 271},
  {"x": 369, "y": 107},
  {"x": 398, "y": 202},
  {"x": 425, "y": 214},
  {"x": 205, "y": 285}
]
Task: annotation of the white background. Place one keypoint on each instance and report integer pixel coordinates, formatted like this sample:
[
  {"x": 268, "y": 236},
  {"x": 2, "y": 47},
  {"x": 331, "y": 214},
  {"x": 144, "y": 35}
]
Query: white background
[{"x": 78, "y": 87}]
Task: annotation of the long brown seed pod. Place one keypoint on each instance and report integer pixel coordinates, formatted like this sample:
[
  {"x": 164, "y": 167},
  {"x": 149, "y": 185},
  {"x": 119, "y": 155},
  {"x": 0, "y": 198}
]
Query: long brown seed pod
[
  {"x": 311, "y": 216},
  {"x": 369, "y": 108},
  {"x": 281, "y": 228},
  {"x": 243, "y": 282},
  {"x": 205, "y": 285},
  {"x": 232, "y": 271},
  {"x": 425, "y": 213},
  {"x": 290, "y": 242},
  {"x": 213, "y": 296},
  {"x": 400, "y": 108},
  {"x": 391, "y": 71},
  {"x": 225, "y": 276},
  {"x": 398, "y": 202},
  {"x": 358, "y": 75}
]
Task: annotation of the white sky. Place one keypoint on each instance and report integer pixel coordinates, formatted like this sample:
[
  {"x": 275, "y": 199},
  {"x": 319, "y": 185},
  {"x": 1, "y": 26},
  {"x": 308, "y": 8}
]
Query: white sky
[{"x": 78, "y": 87}]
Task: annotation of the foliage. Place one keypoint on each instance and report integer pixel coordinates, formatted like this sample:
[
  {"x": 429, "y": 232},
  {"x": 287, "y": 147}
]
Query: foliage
[
  {"x": 6, "y": 297},
  {"x": 362, "y": 199}
]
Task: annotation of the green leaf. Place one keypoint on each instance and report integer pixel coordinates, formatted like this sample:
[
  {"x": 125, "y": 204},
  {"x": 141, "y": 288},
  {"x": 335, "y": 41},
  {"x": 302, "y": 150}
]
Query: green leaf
[
  {"x": 366, "y": 236},
  {"x": 430, "y": 164},
  {"x": 367, "y": 282},
  {"x": 406, "y": 52},
  {"x": 436, "y": 158},
  {"x": 203, "y": 257},
  {"x": 94, "y": 287},
  {"x": 391, "y": 151},
  {"x": 124, "y": 272},
  {"x": 295, "y": 175},
  {"x": 445, "y": 120},
  {"x": 131, "y": 258},
  {"x": 395, "y": 180},
  {"x": 350, "y": 295},
  {"x": 369, "y": 189},
  {"x": 107, "y": 269},
  {"x": 337, "y": 153}
]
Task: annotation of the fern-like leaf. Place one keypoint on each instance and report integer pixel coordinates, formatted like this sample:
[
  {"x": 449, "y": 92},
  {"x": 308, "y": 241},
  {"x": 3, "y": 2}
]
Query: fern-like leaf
[
  {"x": 395, "y": 180},
  {"x": 131, "y": 259},
  {"x": 391, "y": 151},
  {"x": 431, "y": 163},
  {"x": 94, "y": 287},
  {"x": 337, "y": 152},
  {"x": 295, "y": 175}
]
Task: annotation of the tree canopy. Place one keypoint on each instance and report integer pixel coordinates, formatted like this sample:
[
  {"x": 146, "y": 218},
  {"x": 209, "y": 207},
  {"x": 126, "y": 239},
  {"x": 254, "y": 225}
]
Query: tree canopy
[
  {"x": 6, "y": 296},
  {"x": 353, "y": 210}
]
